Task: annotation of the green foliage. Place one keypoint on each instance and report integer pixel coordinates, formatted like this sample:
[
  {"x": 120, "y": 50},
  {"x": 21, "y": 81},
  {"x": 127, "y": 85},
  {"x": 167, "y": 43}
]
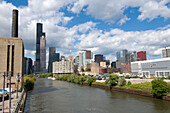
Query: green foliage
[
  {"x": 146, "y": 86},
  {"x": 159, "y": 87},
  {"x": 88, "y": 69},
  {"x": 113, "y": 80},
  {"x": 129, "y": 83},
  {"x": 91, "y": 80},
  {"x": 101, "y": 83},
  {"x": 83, "y": 74},
  {"x": 168, "y": 76},
  {"x": 29, "y": 82},
  {"x": 45, "y": 75},
  {"x": 82, "y": 70},
  {"x": 122, "y": 81},
  {"x": 121, "y": 72}
]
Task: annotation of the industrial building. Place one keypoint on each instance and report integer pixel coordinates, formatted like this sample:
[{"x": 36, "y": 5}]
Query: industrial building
[{"x": 151, "y": 68}]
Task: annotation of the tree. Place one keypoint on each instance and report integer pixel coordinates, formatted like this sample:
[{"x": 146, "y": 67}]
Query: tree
[
  {"x": 159, "y": 87},
  {"x": 122, "y": 81},
  {"x": 113, "y": 80}
]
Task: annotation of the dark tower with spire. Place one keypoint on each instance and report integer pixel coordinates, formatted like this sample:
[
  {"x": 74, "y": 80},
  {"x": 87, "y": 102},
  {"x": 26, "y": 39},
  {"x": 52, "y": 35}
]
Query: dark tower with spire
[{"x": 38, "y": 36}]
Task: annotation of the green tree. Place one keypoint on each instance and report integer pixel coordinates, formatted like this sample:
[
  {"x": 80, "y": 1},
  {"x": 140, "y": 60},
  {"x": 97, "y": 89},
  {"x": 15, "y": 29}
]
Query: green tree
[
  {"x": 159, "y": 87},
  {"x": 91, "y": 80},
  {"x": 113, "y": 80},
  {"x": 122, "y": 81}
]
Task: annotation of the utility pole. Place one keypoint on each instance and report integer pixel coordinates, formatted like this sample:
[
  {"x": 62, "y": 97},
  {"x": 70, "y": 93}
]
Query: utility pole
[
  {"x": 9, "y": 79},
  {"x": 3, "y": 99},
  {"x": 17, "y": 84}
]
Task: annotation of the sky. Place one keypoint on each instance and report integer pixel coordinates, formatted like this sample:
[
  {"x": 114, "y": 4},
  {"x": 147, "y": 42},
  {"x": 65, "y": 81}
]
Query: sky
[{"x": 102, "y": 26}]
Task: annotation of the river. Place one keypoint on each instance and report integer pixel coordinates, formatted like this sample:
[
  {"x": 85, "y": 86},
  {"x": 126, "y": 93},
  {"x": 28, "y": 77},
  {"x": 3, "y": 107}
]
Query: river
[{"x": 62, "y": 97}]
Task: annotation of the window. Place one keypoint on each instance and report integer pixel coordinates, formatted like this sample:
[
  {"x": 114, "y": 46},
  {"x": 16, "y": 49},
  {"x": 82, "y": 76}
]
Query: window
[
  {"x": 12, "y": 61},
  {"x": 8, "y": 57}
]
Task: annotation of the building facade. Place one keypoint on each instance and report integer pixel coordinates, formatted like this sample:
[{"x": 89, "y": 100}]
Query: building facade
[
  {"x": 151, "y": 68},
  {"x": 43, "y": 54},
  {"x": 83, "y": 58},
  {"x": 141, "y": 55},
  {"x": 63, "y": 67},
  {"x": 122, "y": 56},
  {"x": 11, "y": 60},
  {"x": 28, "y": 66},
  {"x": 95, "y": 68},
  {"x": 166, "y": 52},
  {"x": 98, "y": 58},
  {"x": 53, "y": 56}
]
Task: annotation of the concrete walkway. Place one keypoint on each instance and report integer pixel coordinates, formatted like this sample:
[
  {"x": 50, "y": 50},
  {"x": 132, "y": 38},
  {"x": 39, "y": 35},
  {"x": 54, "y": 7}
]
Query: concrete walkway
[{"x": 6, "y": 103}]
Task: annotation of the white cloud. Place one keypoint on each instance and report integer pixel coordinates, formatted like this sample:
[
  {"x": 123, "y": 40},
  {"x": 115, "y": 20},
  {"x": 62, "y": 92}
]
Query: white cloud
[
  {"x": 153, "y": 9},
  {"x": 86, "y": 35},
  {"x": 123, "y": 20},
  {"x": 109, "y": 42},
  {"x": 112, "y": 10}
]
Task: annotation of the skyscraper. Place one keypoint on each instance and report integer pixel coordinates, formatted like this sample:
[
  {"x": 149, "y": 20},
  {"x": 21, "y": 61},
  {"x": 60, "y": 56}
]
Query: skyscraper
[
  {"x": 53, "y": 56},
  {"x": 40, "y": 63},
  {"x": 98, "y": 58},
  {"x": 43, "y": 54},
  {"x": 141, "y": 55}
]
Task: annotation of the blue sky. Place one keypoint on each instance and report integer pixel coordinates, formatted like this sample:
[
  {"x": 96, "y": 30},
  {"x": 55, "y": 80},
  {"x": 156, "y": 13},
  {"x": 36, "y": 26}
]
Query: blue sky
[{"x": 101, "y": 26}]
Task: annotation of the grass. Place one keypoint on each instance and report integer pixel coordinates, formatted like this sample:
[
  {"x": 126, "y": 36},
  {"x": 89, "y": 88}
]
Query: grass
[
  {"x": 101, "y": 83},
  {"x": 146, "y": 86}
]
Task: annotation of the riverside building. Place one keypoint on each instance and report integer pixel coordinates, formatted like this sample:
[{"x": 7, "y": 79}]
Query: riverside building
[
  {"x": 151, "y": 68},
  {"x": 63, "y": 67}
]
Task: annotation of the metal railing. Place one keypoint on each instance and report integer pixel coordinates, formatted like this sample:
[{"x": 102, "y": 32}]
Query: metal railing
[{"x": 18, "y": 104}]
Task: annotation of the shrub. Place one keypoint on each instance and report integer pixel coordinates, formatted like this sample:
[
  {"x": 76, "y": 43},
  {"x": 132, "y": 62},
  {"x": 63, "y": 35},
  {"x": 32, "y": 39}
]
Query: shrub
[
  {"x": 91, "y": 80},
  {"x": 122, "y": 81},
  {"x": 168, "y": 76},
  {"x": 44, "y": 75},
  {"x": 113, "y": 80},
  {"x": 82, "y": 79},
  {"x": 29, "y": 82},
  {"x": 65, "y": 77},
  {"x": 159, "y": 87},
  {"x": 129, "y": 83}
]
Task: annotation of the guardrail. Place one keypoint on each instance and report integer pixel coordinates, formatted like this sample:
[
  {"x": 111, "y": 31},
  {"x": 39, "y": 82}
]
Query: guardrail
[{"x": 19, "y": 103}]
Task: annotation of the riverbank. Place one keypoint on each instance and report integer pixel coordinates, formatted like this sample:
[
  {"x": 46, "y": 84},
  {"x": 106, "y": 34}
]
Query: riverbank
[{"x": 136, "y": 92}]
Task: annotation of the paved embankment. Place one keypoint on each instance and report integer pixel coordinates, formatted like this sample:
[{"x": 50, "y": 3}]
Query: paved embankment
[{"x": 13, "y": 102}]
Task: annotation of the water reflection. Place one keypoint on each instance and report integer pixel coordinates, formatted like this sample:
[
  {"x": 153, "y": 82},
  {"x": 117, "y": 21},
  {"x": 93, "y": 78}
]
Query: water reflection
[{"x": 62, "y": 97}]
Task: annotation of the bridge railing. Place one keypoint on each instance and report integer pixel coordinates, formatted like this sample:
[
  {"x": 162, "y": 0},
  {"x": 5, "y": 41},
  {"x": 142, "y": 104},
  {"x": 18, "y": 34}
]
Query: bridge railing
[{"x": 19, "y": 106}]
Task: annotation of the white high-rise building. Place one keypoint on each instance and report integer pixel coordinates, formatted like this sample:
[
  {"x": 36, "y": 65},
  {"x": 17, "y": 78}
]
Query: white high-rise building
[
  {"x": 83, "y": 58},
  {"x": 63, "y": 67}
]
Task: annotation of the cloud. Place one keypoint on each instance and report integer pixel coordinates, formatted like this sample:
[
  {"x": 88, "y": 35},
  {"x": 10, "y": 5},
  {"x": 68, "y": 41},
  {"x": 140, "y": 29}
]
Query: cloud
[
  {"x": 112, "y": 10},
  {"x": 110, "y": 42},
  {"x": 86, "y": 35},
  {"x": 123, "y": 20},
  {"x": 153, "y": 9}
]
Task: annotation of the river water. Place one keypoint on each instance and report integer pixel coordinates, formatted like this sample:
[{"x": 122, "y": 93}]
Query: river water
[{"x": 62, "y": 97}]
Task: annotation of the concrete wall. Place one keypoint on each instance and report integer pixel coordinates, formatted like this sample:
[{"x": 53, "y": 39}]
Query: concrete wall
[{"x": 18, "y": 58}]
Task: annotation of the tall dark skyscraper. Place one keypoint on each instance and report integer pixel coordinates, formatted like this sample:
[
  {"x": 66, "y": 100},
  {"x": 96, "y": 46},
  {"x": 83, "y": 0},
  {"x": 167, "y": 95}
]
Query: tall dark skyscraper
[
  {"x": 98, "y": 58},
  {"x": 53, "y": 56},
  {"x": 40, "y": 57},
  {"x": 15, "y": 23}
]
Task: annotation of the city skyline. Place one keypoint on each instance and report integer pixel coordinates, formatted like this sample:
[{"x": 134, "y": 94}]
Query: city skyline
[{"x": 77, "y": 25}]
